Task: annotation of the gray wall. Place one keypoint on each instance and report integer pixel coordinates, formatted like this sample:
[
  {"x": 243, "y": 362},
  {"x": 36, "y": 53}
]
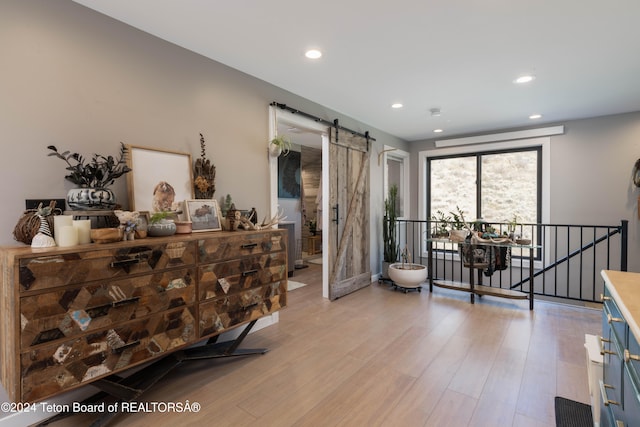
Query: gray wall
[
  {"x": 84, "y": 82},
  {"x": 74, "y": 78},
  {"x": 591, "y": 169}
]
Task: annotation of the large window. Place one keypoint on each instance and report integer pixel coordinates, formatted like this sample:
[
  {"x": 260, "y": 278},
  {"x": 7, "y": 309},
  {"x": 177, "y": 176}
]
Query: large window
[{"x": 496, "y": 186}]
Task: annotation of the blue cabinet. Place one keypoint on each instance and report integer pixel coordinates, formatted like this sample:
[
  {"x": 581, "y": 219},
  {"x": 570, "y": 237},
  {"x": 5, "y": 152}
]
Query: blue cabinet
[{"x": 620, "y": 387}]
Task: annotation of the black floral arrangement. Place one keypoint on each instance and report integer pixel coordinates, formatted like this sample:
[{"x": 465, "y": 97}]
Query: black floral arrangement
[{"x": 100, "y": 172}]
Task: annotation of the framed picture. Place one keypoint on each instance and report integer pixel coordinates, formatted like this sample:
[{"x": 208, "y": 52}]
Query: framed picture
[
  {"x": 204, "y": 214},
  {"x": 159, "y": 179},
  {"x": 289, "y": 175}
]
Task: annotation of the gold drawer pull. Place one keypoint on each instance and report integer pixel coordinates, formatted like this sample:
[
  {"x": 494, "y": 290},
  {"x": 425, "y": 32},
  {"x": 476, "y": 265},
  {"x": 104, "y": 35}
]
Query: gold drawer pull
[
  {"x": 603, "y": 392},
  {"x": 628, "y": 356},
  {"x": 614, "y": 319},
  {"x": 602, "y": 350},
  {"x": 603, "y": 298}
]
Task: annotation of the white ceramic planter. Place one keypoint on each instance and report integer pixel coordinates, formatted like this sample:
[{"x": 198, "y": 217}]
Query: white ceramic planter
[{"x": 411, "y": 276}]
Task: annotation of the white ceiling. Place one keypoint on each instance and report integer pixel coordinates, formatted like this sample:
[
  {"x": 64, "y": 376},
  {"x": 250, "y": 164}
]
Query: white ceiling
[{"x": 457, "y": 55}]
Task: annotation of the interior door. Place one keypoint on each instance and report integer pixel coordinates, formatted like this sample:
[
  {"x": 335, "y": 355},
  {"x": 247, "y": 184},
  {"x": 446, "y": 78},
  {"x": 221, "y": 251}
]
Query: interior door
[{"x": 348, "y": 234}]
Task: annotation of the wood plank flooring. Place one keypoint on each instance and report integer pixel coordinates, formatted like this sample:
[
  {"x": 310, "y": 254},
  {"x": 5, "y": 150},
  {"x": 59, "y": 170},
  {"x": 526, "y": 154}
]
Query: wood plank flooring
[{"x": 381, "y": 357}]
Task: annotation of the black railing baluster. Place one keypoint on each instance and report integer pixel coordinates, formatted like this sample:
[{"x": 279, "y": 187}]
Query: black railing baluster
[{"x": 445, "y": 264}]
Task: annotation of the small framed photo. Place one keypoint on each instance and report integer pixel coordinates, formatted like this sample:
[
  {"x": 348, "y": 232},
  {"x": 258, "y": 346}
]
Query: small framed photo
[{"x": 204, "y": 214}]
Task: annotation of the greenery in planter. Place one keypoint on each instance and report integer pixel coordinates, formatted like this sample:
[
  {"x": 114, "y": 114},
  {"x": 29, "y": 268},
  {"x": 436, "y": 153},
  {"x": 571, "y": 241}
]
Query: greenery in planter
[
  {"x": 457, "y": 219},
  {"x": 283, "y": 142},
  {"x": 313, "y": 226},
  {"x": 441, "y": 227},
  {"x": 100, "y": 172},
  {"x": 159, "y": 216},
  {"x": 389, "y": 226}
]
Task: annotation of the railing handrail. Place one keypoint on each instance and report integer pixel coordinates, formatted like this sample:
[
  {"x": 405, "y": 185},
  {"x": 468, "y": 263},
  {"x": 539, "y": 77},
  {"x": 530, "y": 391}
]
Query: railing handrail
[{"x": 562, "y": 277}]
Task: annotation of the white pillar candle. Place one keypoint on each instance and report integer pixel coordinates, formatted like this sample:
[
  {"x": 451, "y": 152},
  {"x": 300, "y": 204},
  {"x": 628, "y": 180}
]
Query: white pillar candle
[
  {"x": 60, "y": 221},
  {"x": 84, "y": 230},
  {"x": 68, "y": 236}
]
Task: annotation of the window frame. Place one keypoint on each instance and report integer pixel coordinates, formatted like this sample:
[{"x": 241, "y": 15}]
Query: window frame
[
  {"x": 402, "y": 157},
  {"x": 478, "y": 155},
  {"x": 544, "y": 187}
]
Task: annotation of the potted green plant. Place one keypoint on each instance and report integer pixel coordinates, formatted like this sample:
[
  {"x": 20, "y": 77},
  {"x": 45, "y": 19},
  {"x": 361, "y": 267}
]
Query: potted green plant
[
  {"x": 93, "y": 178},
  {"x": 313, "y": 226},
  {"x": 459, "y": 227},
  {"x": 162, "y": 223},
  {"x": 281, "y": 144},
  {"x": 441, "y": 225},
  {"x": 390, "y": 245}
]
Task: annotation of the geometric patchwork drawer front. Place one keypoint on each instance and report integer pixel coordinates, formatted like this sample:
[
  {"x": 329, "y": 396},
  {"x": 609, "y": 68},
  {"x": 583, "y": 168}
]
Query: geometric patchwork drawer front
[
  {"x": 221, "y": 313},
  {"x": 53, "y": 368},
  {"x": 79, "y": 267},
  {"x": 239, "y": 244},
  {"x": 69, "y": 312},
  {"x": 73, "y": 315},
  {"x": 231, "y": 277}
]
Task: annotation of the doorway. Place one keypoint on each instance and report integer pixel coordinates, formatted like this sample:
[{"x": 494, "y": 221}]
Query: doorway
[{"x": 311, "y": 140}]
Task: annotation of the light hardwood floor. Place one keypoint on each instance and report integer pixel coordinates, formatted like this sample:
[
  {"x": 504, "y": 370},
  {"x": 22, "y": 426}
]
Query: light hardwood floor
[{"x": 380, "y": 357}]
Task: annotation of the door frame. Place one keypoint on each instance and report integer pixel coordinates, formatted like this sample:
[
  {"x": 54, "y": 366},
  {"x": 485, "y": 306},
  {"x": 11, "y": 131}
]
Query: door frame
[{"x": 277, "y": 115}]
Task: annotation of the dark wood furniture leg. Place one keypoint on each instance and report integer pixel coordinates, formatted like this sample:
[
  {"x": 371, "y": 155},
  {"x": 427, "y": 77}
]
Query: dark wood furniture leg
[{"x": 118, "y": 390}]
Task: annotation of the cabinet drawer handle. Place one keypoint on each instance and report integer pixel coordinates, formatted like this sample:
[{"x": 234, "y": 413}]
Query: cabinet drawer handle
[
  {"x": 125, "y": 302},
  {"x": 249, "y": 272},
  {"x": 611, "y": 319},
  {"x": 603, "y": 298},
  {"x": 249, "y": 245},
  {"x": 125, "y": 262},
  {"x": 603, "y": 392},
  {"x": 126, "y": 346},
  {"x": 628, "y": 356},
  {"x": 114, "y": 304},
  {"x": 602, "y": 350}
]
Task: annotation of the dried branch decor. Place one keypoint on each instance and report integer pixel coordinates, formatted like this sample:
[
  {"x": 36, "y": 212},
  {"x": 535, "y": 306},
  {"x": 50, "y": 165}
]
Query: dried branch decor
[{"x": 204, "y": 173}]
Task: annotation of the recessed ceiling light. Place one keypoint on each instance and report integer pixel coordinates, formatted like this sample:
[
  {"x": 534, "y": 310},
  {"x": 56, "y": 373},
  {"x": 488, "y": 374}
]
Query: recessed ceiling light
[
  {"x": 396, "y": 105},
  {"x": 535, "y": 116},
  {"x": 524, "y": 79},
  {"x": 313, "y": 54},
  {"x": 437, "y": 130}
]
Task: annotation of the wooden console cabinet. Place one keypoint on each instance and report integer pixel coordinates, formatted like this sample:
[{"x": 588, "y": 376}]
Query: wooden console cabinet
[{"x": 71, "y": 316}]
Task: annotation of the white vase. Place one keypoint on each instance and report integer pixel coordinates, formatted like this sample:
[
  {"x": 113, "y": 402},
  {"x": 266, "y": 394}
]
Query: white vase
[
  {"x": 408, "y": 275},
  {"x": 275, "y": 150}
]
